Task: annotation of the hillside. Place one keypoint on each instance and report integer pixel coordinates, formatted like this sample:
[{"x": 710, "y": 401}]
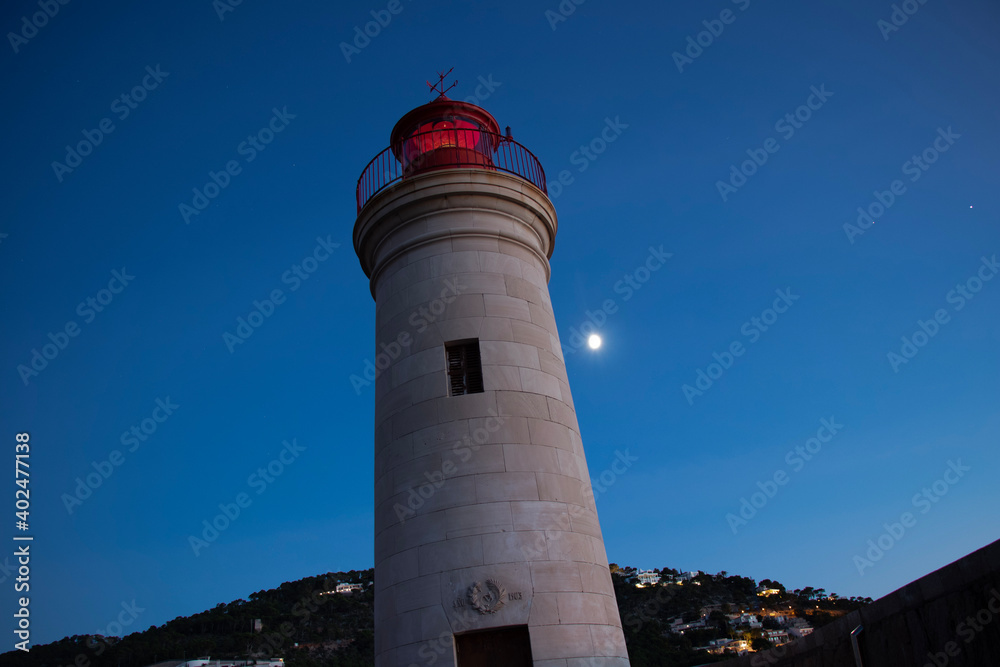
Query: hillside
[
  {"x": 331, "y": 631},
  {"x": 665, "y": 622}
]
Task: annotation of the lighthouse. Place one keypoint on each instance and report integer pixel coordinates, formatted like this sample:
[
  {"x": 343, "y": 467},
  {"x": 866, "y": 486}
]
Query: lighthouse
[{"x": 488, "y": 549}]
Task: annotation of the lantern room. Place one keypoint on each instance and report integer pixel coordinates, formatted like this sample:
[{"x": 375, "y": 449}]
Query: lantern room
[{"x": 445, "y": 133}]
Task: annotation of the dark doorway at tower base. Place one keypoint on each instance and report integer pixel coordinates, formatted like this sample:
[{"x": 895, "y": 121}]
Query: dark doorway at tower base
[{"x": 506, "y": 647}]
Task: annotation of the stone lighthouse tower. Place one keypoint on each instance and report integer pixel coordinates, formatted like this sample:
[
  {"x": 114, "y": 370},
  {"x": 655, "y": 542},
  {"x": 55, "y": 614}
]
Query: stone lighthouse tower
[{"x": 488, "y": 549}]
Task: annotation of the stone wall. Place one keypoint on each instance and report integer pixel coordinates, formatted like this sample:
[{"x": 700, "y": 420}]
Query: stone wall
[{"x": 951, "y": 617}]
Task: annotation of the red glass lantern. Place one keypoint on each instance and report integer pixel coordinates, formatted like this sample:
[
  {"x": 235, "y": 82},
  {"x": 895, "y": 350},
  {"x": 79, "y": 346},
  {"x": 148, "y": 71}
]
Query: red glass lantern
[{"x": 445, "y": 134}]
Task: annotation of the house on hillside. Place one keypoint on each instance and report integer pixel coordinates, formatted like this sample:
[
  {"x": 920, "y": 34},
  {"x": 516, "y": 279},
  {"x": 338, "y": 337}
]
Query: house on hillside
[
  {"x": 678, "y": 626},
  {"x": 776, "y": 637},
  {"x": 628, "y": 574},
  {"x": 779, "y": 617},
  {"x": 344, "y": 589},
  {"x": 716, "y": 646},
  {"x": 749, "y": 620},
  {"x": 348, "y": 588},
  {"x": 740, "y": 646},
  {"x": 647, "y": 578},
  {"x": 798, "y": 628}
]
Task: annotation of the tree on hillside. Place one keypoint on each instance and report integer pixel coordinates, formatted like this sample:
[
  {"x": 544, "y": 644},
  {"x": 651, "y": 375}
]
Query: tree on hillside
[
  {"x": 770, "y": 624},
  {"x": 770, "y": 583},
  {"x": 719, "y": 620}
]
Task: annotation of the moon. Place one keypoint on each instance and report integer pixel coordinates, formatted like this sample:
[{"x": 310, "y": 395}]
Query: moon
[{"x": 594, "y": 341}]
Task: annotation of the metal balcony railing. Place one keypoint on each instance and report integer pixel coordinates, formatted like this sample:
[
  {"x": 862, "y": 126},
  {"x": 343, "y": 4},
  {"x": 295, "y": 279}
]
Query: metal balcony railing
[{"x": 442, "y": 149}]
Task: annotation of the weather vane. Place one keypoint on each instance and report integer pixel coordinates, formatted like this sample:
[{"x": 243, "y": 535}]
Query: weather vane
[{"x": 440, "y": 83}]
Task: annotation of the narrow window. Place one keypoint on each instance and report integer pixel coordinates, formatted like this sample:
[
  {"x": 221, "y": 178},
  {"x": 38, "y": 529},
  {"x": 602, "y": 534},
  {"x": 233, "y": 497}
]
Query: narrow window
[{"x": 465, "y": 370}]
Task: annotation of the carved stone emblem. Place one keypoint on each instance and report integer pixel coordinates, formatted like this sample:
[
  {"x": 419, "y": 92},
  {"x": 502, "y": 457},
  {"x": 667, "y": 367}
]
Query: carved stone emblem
[{"x": 488, "y": 599}]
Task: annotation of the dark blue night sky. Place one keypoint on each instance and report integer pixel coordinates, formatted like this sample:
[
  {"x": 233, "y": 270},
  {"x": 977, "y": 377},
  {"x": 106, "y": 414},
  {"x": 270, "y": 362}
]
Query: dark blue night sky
[{"x": 813, "y": 356}]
